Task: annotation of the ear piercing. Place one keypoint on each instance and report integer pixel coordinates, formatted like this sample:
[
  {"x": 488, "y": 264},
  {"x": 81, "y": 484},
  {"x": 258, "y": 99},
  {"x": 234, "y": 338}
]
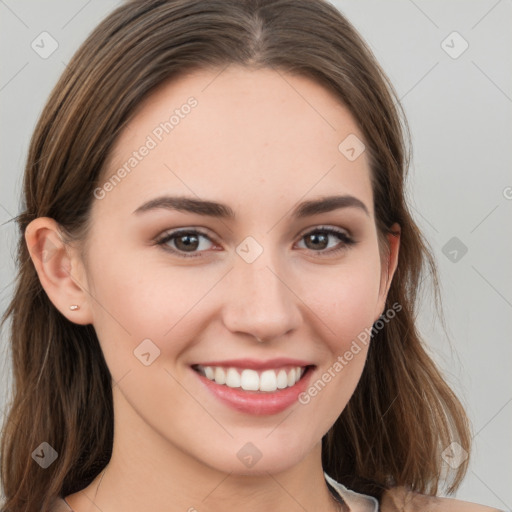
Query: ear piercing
[
  {"x": 74, "y": 307},
  {"x": 259, "y": 341}
]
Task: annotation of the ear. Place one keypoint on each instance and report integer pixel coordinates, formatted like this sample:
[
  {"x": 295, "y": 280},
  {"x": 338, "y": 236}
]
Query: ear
[
  {"x": 60, "y": 270},
  {"x": 389, "y": 263}
]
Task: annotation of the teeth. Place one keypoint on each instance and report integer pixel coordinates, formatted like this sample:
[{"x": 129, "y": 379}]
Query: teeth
[
  {"x": 282, "y": 379},
  {"x": 291, "y": 377},
  {"x": 268, "y": 381},
  {"x": 232, "y": 378},
  {"x": 251, "y": 380},
  {"x": 220, "y": 375}
]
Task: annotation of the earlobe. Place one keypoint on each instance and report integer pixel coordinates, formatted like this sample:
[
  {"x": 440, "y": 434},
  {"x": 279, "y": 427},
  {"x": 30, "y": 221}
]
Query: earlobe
[
  {"x": 389, "y": 265},
  {"x": 59, "y": 269}
]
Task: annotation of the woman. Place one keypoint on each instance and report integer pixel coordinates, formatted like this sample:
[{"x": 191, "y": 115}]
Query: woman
[{"x": 218, "y": 272}]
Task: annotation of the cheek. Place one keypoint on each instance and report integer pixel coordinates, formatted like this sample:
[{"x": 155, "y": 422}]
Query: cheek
[
  {"x": 136, "y": 300},
  {"x": 133, "y": 303},
  {"x": 345, "y": 298},
  {"x": 346, "y": 304}
]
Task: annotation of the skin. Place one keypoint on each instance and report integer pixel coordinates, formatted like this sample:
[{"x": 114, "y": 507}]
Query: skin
[{"x": 255, "y": 144}]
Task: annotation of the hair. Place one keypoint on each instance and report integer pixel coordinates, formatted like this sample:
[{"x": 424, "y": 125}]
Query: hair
[{"x": 402, "y": 413}]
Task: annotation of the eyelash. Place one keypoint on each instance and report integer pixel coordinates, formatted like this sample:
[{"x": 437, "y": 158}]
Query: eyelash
[{"x": 346, "y": 240}]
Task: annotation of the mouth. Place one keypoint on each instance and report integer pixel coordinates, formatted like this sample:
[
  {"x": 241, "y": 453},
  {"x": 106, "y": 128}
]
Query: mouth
[
  {"x": 255, "y": 388},
  {"x": 248, "y": 379}
]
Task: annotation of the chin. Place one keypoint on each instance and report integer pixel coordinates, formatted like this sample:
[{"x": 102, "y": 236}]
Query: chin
[{"x": 257, "y": 457}]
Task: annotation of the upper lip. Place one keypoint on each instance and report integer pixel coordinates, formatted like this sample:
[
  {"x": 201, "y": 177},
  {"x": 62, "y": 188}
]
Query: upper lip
[{"x": 255, "y": 364}]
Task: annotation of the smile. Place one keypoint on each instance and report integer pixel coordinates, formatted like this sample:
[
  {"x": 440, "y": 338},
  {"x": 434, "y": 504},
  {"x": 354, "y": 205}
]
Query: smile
[
  {"x": 255, "y": 388},
  {"x": 252, "y": 380}
]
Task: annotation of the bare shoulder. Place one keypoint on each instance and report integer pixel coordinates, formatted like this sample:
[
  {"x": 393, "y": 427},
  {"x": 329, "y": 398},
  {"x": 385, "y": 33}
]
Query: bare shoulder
[{"x": 399, "y": 499}]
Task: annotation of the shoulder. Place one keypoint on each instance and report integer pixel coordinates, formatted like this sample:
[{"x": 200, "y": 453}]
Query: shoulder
[{"x": 399, "y": 499}]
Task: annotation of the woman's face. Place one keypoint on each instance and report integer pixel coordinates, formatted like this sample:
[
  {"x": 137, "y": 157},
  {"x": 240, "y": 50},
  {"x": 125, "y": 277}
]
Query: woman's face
[{"x": 173, "y": 285}]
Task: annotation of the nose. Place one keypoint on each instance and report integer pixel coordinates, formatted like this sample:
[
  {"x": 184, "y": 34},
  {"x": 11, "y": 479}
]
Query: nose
[{"x": 260, "y": 300}]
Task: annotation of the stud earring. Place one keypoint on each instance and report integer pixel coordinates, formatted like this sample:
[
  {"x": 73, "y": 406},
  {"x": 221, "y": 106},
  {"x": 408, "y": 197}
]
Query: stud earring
[{"x": 74, "y": 307}]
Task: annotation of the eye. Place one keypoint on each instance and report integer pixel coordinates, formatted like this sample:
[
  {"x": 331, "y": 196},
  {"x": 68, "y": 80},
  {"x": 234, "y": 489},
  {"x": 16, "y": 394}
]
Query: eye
[
  {"x": 184, "y": 241},
  {"x": 317, "y": 240},
  {"x": 187, "y": 243}
]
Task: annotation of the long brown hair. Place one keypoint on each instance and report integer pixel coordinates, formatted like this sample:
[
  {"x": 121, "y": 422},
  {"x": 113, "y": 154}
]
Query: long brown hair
[{"x": 402, "y": 414}]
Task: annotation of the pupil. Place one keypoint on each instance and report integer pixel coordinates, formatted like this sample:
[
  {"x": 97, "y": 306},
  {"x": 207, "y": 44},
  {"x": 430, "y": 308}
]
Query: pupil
[
  {"x": 321, "y": 238},
  {"x": 187, "y": 244}
]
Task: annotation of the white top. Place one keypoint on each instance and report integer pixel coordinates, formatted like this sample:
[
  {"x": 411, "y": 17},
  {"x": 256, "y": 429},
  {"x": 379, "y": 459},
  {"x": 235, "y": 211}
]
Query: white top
[{"x": 356, "y": 501}]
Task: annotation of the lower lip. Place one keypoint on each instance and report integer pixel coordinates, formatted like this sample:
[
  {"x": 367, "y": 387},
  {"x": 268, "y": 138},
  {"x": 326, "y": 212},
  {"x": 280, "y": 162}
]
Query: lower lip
[{"x": 254, "y": 402}]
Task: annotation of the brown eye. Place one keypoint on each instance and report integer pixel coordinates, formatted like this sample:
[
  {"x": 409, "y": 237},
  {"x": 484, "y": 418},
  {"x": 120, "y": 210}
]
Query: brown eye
[
  {"x": 188, "y": 242},
  {"x": 185, "y": 241},
  {"x": 319, "y": 239}
]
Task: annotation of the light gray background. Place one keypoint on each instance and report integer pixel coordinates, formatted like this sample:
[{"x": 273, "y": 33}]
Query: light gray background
[{"x": 459, "y": 110}]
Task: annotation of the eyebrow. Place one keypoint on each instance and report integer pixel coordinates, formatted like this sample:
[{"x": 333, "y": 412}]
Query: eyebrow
[{"x": 222, "y": 211}]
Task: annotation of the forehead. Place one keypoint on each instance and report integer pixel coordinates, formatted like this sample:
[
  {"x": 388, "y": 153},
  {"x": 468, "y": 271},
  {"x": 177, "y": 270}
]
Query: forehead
[{"x": 237, "y": 133}]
